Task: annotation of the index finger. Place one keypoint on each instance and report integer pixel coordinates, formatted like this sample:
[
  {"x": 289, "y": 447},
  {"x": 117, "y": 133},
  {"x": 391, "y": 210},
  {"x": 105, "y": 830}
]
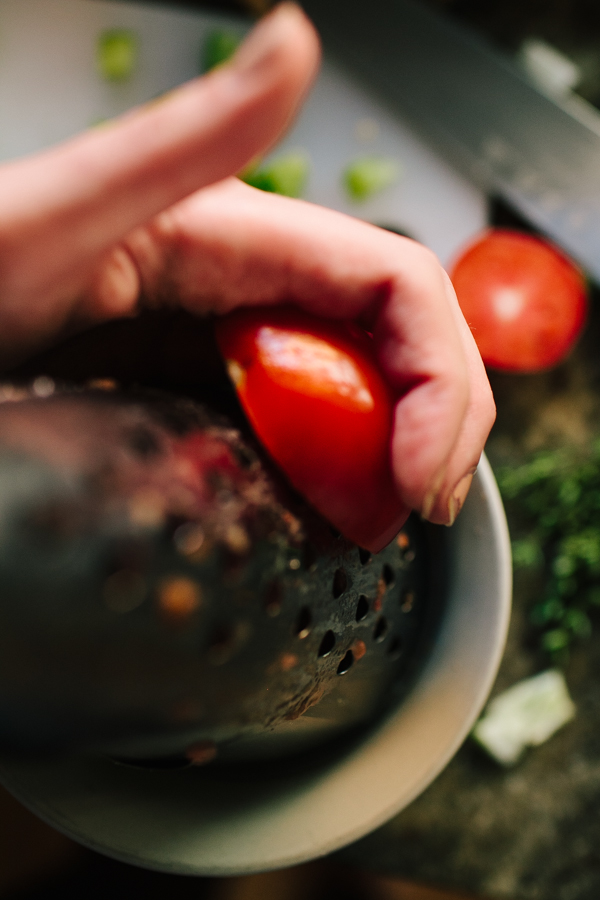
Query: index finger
[{"x": 64, "y": 208}]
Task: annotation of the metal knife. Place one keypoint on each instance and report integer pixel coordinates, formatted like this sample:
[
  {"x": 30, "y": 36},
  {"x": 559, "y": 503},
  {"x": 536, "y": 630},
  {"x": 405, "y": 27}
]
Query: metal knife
[{"x": 540, "y": 153}]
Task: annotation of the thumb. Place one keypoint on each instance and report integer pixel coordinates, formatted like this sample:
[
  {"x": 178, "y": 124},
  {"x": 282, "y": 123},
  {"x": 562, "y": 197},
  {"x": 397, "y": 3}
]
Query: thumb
[{"x": 63, "y": 208}]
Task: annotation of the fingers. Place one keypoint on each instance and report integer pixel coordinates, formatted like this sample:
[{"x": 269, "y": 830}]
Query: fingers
[
  {"x": 426, "y": 448},
  {"x": 423, "y": 356},
  {"x": 231, "y": 245},
  {"x": 477, "y": 423},
  {"x": 62, "y": 209}
]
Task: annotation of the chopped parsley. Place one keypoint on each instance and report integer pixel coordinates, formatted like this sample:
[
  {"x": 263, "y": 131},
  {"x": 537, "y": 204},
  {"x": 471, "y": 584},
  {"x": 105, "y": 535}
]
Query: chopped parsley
[{"x": 553, "y": 506}]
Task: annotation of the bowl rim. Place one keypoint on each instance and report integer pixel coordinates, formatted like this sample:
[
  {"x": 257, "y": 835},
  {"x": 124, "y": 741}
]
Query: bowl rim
[{"x": 199, "y": 822}]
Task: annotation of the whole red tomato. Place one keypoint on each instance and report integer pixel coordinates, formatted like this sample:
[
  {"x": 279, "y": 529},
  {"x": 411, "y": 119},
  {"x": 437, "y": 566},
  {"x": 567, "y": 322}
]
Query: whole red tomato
[
  {"x": 524, "y": 300},
  {"x": 318, "y": 403}
]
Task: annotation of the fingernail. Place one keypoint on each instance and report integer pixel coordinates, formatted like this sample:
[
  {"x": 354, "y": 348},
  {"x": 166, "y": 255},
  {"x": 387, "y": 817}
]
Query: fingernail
[
  {"x": 264, "y": 38},
  {"x": 432, "y": 494},
  {"x": 458, "y": 496},
  {"x": 428, "y": 504}
]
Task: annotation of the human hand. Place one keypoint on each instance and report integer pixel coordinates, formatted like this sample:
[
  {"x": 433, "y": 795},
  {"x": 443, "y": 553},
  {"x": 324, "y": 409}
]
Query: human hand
[{"x": 141, "y": 213}]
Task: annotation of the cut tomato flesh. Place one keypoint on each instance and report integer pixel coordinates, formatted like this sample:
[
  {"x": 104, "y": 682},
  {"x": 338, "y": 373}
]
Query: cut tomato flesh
[{"x": 316, "y": 400}]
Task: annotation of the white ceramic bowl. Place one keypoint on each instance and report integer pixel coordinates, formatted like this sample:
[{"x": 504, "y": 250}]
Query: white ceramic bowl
[{"x": 209, "y": 822}]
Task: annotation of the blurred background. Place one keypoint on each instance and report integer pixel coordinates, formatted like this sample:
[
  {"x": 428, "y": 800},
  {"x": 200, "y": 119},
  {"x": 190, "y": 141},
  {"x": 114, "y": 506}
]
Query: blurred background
[{"x": 482, "y": 829}]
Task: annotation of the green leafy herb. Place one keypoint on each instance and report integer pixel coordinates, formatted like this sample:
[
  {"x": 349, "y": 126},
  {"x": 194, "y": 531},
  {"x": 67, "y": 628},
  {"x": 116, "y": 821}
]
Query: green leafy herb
[
  {"x": 553, "y": 505},
  {"x": 285, "y": 175},
  {"x": 220, "y": 45},
  {"x": 117, "y": 54},
  {"x": 369, "y": 175}
]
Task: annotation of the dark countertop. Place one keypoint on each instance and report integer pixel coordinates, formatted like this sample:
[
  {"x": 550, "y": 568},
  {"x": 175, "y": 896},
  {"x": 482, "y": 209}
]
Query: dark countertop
[{"x": 531, "y": 831}]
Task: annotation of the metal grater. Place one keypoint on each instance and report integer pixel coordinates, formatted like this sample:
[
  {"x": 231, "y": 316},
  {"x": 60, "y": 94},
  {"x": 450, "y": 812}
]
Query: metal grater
[{"x": 167, "y": 615}]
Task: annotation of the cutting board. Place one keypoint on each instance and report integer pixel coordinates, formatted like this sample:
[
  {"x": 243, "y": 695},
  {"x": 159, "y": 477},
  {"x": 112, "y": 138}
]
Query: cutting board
[{"x": 50, "y": 89}]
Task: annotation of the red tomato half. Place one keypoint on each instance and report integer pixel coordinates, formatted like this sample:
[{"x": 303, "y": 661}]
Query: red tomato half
[
  {"x": 315, "y": 398},
  {"x": 525, "y": 301}
]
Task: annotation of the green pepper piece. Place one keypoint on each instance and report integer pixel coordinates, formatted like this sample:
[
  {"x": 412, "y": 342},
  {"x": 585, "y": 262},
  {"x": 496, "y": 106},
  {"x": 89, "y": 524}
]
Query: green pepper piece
[
  {"x": 117, "y": 54},
  {"x": 286, "y": 175},
  {"x": 369, "y": 175}
]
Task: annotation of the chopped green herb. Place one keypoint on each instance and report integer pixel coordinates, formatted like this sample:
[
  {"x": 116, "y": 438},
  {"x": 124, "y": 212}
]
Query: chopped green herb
[
  {"x": 527, "y": 553},
  {"x": 286, "y": 175},
  {"x": 369, "y": 175},
  {"x": 117, "y": 54},
  {"x": 556, "y": 640},
  {"x": 553, "y": 506},
  {"x": 218, "y": 48},
  {"x": 525, "y": 715}
]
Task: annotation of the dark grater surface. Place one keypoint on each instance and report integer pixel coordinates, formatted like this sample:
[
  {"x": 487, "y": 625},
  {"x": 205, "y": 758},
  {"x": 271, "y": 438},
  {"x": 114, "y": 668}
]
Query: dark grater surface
[{"x": 165, "y": 596}]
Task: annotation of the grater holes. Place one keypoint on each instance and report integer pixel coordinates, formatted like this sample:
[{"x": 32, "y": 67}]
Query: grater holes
[
  {"x": 364, "y": 556},
  {"x": 395, "y": 648},
  {"x": 346, "y": 663},
  {"x": 362, "y": 608},
  {"x": 327, "y": 644},
  {"x": 340, "y": 583},
  {"x": 380, "y": 630},
  {"x": 303, "y": 623},
  {"x": 387, "y": 573}
]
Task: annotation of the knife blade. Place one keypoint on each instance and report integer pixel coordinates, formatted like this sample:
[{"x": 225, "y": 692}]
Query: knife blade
[{"x": 474, "y": 105}]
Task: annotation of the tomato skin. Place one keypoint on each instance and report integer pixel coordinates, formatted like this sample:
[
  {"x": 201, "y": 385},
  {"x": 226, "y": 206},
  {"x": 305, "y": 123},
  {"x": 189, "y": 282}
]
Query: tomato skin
[
  {"x": 523, "y": 299},
  {"x": 318, "y": 403}
]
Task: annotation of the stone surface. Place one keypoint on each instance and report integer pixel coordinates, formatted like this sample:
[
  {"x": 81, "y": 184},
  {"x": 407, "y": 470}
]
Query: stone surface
[{"x": 531, "y": 831}]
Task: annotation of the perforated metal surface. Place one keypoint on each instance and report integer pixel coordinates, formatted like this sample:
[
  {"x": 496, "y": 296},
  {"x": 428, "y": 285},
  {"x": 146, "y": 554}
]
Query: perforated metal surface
[{"x": 165, "y": 594}]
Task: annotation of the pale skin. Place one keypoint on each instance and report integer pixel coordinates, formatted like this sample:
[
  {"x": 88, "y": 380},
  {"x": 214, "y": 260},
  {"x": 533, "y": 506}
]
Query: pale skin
[{"x": 145, "y": 212}]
